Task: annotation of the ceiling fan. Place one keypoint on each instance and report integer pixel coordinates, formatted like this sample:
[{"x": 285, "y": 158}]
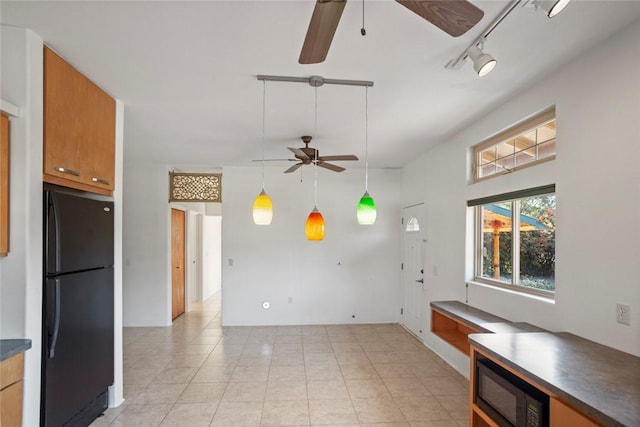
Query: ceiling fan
[
  {"x": 309, "y": 155},
  {"x": 455, "y": 17}
]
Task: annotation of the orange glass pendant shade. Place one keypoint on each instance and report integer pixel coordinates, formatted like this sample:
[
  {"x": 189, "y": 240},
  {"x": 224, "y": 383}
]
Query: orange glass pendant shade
[
  {"x": 262, "y": 209},
  {"x": 315, "y": 225}
]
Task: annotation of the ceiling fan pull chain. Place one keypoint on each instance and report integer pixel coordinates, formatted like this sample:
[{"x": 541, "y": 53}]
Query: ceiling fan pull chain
[{"x": 362, "y": 30}]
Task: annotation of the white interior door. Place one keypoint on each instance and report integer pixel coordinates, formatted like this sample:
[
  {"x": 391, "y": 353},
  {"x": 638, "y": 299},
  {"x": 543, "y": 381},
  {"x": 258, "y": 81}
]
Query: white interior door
[{"x": 413, "y": 298}]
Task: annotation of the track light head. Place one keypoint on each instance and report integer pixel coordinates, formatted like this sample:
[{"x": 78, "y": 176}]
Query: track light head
[
  {"x": 553, "y": 7},
  {"x": 483, "y": 63}
]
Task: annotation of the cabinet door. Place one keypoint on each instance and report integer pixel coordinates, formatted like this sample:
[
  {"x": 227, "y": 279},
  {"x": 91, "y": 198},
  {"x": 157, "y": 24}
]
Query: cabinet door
[
  {"x": 563, "y": 415},
  {"x": 79, "y": 129},
  {"x": 101, "y": 134}
]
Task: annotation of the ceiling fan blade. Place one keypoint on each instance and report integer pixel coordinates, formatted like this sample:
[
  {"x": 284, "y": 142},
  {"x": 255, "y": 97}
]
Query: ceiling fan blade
[
  {"x": 335, "y": 158},
  {"x": 293, "y": 168},
  {"x": 299, "y": 153},
  {"x": 330, "y": 166},
  {"x": 454, "y": 17},
  {"x": 275, "y": 160},
  {"x": 322, "y": 27}
]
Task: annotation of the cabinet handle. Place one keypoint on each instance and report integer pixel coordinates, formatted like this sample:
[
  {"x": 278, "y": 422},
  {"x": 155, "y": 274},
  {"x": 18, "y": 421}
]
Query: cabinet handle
[
  {"x": 67, "y": 171},
  {"x": 100, "y": 181}
]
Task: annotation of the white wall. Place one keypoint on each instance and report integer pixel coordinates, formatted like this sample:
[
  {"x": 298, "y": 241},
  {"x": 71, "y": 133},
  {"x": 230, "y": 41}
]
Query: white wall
[
  {"x": 212, "y": 259},
  {"x": 21, "y": 270},
  {"x": 597, "y": 179},
  {"x": 353, "y": 271},
  {"x": 366, "y": 284},
  {"x": 147, "y": 245},
  {"x": 116, "y": 392}
]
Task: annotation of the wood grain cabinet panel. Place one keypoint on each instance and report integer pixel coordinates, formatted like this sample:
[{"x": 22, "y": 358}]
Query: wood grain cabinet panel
[
  {"x": 562, "y": 414},
  {"x": 79, "y": 129},
  {"x": 452, "y": 331},
  {"x": 11, "y": 371},
  {"x": 4, "y": 184}
]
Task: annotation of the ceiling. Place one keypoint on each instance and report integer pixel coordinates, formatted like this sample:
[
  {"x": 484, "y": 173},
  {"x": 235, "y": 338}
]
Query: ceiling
[{"x": 186, "y": 71}]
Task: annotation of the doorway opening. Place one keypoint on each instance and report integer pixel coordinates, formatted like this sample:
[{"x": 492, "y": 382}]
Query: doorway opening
[{"x": 199, "y": 275}]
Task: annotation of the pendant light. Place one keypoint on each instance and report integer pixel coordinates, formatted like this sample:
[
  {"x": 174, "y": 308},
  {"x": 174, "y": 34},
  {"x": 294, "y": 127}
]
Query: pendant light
[
  {"x": 262, "y": 206},
  {"x": 366, "y": 211},
  {"x": 314, "y": 228}
]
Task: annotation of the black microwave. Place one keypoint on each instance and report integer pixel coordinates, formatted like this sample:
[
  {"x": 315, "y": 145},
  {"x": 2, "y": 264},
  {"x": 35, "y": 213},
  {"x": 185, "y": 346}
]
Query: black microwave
[{"x": 507, "y": 399}]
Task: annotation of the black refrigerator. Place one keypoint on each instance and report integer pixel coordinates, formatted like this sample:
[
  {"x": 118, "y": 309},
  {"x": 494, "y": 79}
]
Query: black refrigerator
[{"x": 77, "y": 313}]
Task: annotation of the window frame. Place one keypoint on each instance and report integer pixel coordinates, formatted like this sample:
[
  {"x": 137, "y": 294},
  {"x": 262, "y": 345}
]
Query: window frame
[
  {"x": 512, "y": 132},
  {"x": 478, "y": 240}
]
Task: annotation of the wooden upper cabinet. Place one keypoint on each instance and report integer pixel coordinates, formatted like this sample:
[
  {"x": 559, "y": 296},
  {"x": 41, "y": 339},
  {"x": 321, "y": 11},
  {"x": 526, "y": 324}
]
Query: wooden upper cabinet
[{"x": 79, "y": 129}]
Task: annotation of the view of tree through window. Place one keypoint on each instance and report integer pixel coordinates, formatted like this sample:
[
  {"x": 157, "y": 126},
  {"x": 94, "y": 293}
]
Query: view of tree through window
[{"x": 529, "y": 259}]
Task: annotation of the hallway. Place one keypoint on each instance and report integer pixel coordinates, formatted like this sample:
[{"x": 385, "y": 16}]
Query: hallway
[{"x": 197, "y": 373}]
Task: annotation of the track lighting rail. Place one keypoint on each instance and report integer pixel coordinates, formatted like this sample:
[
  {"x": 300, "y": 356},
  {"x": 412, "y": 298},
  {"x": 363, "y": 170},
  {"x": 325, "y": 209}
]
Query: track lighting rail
[
  {"x": 315, "y": 81},
  {"x": 456, "y": 64}
]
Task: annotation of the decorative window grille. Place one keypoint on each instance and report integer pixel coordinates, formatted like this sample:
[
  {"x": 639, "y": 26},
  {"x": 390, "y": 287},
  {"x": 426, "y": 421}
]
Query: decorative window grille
[
  {"x": 195, "y": 187},
  {"x": 412, "y": 225}
]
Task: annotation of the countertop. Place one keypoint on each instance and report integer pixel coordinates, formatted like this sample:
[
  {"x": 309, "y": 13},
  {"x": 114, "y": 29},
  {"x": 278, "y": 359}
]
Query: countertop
[
  {"x": 597, "y": 380},
  {"x": 10, "y": 348},
  {"x": 481, "y": 319}
]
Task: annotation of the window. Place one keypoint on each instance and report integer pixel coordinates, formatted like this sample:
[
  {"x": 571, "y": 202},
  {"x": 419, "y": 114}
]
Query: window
[
  {"x": 515, "y": 240},
  {"x": 412, "y": 225},
  {"x": 525, "y": 144}
]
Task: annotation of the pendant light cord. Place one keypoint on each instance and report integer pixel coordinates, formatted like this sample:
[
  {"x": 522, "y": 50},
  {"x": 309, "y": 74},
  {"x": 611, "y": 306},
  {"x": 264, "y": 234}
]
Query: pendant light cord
[
  {"x": 366, "y": 139},
  {"x": 315, "y": 133},
  {"x": 264, "y": 108}
]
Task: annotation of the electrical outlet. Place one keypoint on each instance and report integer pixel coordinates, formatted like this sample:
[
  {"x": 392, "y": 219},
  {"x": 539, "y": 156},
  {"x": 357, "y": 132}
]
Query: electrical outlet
[{"x": 623, "y": 314}]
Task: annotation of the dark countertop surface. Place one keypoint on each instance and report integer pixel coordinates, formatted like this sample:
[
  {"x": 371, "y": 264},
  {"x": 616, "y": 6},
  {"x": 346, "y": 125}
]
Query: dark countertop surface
[
  {"x": 9, "y": 348},
  {"x": 479, "y": 319},
  {"x": 597, "y": 380},
  {"x": 465, "y": 313}
]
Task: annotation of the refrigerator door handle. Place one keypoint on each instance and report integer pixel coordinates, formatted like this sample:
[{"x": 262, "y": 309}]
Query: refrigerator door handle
[
  {"x": 56, "y": 227},
  {"x": 56, "y": 321},
  {"x": 53, "y": 232}
]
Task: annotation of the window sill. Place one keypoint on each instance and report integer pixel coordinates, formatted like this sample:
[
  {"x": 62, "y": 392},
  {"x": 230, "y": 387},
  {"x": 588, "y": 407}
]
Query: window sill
[{"x": 526, "y": 293}]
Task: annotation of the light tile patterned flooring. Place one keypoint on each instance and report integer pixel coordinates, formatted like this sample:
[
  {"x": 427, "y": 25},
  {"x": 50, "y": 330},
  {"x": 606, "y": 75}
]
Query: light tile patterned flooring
[{"x": 197, "y": 373}]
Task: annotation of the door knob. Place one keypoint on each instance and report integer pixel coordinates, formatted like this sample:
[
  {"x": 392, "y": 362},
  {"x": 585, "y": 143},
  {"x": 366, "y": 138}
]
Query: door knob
[{"x": 420, "y": 281}]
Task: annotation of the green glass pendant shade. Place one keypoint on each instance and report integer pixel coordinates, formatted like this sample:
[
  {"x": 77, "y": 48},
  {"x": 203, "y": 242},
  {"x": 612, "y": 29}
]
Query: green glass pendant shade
[{"x": 366, "y": 212}]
